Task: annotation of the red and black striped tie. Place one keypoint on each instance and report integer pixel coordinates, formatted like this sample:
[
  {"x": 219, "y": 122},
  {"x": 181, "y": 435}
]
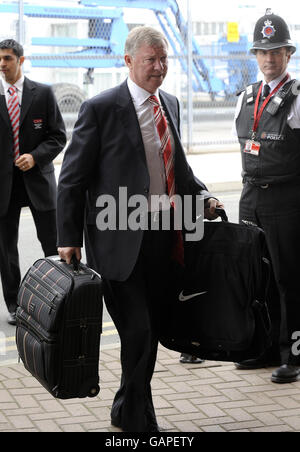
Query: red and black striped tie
[
  {"x": 14, "y": 114},
  {"x": 168, "y": 157}
]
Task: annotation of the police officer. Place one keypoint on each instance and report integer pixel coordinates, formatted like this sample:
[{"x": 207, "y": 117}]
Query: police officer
[{"x": 267, "y": 122}]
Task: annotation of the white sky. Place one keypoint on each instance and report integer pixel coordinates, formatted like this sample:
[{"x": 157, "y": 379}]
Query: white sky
[
  {"x": 243, "y": 11},
  {"x": 203, "y": 8},
  {"x": 254, "y": 8}
]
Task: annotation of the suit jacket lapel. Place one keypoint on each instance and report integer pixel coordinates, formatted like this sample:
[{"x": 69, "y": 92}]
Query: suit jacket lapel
[
  {"x": 169, "y": 110},
  {"x": 128, "y": 117},
  {"x": 27, "y": 98},
  {"x": 181, "y": 164},
  {"x": 3, "y": 106},
  {"x": 3, "y": 110},
  {"x": 126, "y": 110}
]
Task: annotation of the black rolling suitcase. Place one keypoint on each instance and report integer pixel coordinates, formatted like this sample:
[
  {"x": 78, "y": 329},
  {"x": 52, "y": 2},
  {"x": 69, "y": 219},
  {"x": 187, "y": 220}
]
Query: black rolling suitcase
[{"x": 59, "y": 323}]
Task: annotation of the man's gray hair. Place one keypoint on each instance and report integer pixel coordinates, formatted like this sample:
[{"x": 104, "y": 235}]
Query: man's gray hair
[{"x": 140, "y": 36}]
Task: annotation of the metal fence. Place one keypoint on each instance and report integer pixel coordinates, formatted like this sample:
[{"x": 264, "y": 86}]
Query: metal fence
[{"x": 77, "y": 46}]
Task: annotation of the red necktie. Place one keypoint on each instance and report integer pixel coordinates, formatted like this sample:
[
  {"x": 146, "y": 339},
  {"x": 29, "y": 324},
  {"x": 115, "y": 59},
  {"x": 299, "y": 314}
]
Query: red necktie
[
  {"x": 14, "y": 114},
  {"x": 168, "y": 157}
]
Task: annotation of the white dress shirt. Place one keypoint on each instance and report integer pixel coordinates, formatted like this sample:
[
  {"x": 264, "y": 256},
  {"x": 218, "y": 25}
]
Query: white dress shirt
[
  {"x": 293, "y": 118},
  {"x": 19, "y": 85},
  {"x": 151, "y": 140}
]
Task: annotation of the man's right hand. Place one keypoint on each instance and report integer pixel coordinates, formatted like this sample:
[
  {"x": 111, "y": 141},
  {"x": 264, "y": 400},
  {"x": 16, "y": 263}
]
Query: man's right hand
[{"x": 67, "y": 252}]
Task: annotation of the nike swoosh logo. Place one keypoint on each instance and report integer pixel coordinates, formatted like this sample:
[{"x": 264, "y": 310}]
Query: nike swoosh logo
[{"x": 188, "y": 297}]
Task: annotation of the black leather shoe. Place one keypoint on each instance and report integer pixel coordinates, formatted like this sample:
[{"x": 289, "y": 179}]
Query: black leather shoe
[
  {"x": 257, "y": 363},
  {"x": 153, "y": 427},
  {"x": 286, "y": 374},
  {"x": 267, "y": 359},
  {"x": 116, "y": 424},
  {"x": 11, "y": 319},
  {"x": 189, "y": 359}
]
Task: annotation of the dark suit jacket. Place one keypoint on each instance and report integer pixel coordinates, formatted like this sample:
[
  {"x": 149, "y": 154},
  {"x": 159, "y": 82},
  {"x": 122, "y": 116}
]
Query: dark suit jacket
[
  {"x": 42, "y": 134},
  {"x": 106, "y": 152}
]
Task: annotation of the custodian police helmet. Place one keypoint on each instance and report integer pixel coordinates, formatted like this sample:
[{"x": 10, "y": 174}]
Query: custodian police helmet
[{"x": 271, "y": 32}]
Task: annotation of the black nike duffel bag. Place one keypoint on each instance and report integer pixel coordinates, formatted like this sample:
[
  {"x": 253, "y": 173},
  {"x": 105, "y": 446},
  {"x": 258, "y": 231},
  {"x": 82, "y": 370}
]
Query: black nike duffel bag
[{"x": 218, "y": 304}]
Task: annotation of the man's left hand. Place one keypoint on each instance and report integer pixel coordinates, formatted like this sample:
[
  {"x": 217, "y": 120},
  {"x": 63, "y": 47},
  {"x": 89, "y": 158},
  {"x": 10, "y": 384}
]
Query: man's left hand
[
  {"x": 25, "y": 162},
  {"x": 210, "y": 208}
]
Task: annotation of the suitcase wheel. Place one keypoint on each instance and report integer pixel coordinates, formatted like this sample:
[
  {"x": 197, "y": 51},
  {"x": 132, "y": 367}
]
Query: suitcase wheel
[{"x": 93, "y": 392}]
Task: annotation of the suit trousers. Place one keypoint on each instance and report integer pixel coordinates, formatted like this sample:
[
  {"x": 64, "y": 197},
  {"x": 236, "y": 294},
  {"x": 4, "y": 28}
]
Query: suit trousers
[
  {"x": 45, "y": 223},
  {"x": 136, "y": 307},
  {"x": 276, "y": 209}
]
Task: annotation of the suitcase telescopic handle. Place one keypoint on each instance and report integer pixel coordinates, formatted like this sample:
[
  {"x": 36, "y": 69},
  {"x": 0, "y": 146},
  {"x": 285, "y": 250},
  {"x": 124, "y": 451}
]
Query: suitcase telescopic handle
[{"x": 74, "y": 261}]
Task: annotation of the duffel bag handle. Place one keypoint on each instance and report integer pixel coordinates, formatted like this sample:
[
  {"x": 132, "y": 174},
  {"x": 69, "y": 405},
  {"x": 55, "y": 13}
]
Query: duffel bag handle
[{"x": 221, "y": 213}]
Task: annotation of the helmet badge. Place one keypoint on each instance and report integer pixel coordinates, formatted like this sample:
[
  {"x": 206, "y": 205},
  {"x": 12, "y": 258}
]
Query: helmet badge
[{"x": 268, "y": 30}]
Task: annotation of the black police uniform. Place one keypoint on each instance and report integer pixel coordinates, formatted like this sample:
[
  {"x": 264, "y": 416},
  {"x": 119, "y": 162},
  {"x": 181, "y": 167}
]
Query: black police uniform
[
  {"x": 271, "y": 199},
  {"x": 271, "y": 194}
]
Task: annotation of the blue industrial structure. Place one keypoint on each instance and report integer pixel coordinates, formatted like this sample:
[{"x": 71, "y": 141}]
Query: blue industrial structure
[{"x": 107, "y": 34}]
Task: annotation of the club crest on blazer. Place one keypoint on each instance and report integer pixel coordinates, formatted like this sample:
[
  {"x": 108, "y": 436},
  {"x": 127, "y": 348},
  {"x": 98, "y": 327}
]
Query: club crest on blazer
[{"x": 37, "y": 124}]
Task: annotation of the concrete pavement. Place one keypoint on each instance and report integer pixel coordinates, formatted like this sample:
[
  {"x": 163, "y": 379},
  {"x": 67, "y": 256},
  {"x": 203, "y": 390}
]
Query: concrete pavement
[
  {"x": 209, "y": 397},
  {"x": 220, "y": 171}
]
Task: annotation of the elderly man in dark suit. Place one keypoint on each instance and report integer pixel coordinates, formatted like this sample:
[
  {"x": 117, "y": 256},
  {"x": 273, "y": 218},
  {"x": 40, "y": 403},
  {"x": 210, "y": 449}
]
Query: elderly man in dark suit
[
  {"x": 32, "y": 133},
  {"x": 126, "y": 146}
]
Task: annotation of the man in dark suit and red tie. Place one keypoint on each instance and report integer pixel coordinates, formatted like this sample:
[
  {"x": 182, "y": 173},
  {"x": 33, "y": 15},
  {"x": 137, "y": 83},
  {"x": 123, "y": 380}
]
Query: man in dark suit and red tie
[
  {"x": 32, "y": 134},
  {"x": 125, "y": 150}
]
